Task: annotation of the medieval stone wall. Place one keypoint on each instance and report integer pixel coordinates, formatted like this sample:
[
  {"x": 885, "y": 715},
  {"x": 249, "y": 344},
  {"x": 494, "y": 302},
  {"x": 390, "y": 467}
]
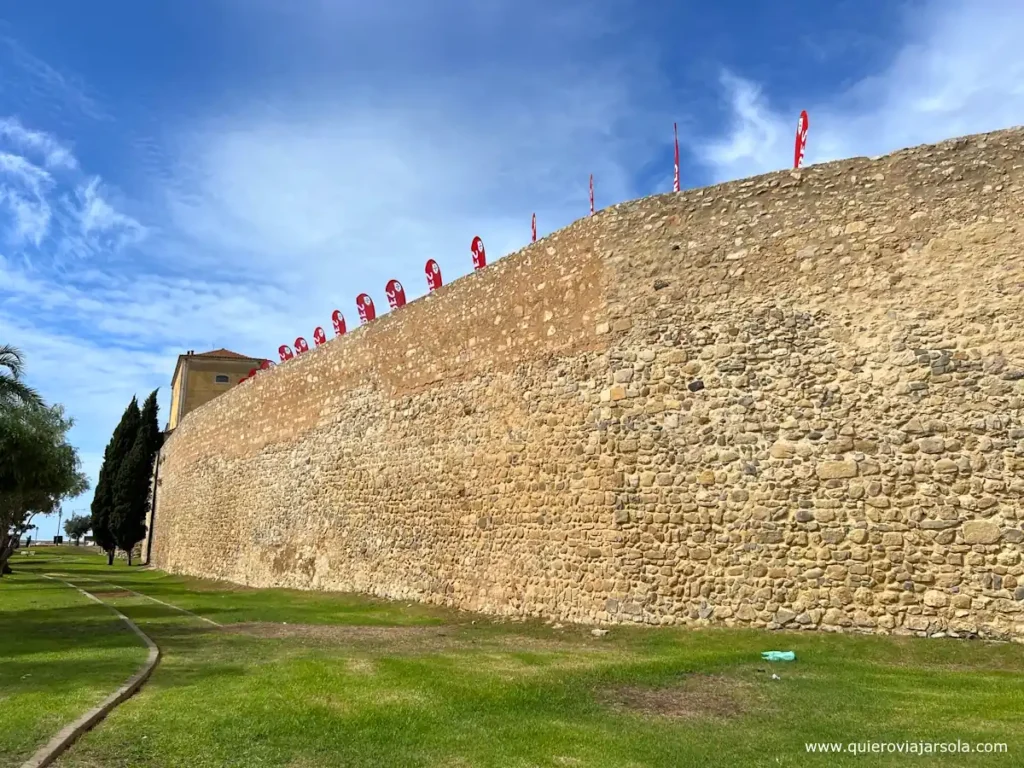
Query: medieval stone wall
[{"x": 794, "y": 400}]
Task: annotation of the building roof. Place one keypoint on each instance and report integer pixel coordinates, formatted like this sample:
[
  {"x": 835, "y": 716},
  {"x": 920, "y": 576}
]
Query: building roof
[
  {"x": 215, "y": 354},
  {"x": 225, "y": 353}
]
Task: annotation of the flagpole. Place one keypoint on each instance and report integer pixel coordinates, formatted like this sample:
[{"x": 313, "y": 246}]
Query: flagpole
[{"x": 675, "y": 180}]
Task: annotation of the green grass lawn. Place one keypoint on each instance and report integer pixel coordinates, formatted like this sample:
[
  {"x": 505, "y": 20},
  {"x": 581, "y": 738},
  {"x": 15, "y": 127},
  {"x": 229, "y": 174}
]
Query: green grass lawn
[
  {"x": 305, "y": 679},
  {"x": 60, "y": 655}
]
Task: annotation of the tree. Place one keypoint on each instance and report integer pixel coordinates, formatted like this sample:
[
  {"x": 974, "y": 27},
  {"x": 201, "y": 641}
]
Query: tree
[
  {"x": 38, "y": 469},
  {"x": 151, "y": 424},
  {"x": 132, "y": 482},
  {"x": 103, "y": 501},
  {"x": 131, "y": 488},
  {"x": 13, "y": 391},
  {"x": 77, "y": 526}
]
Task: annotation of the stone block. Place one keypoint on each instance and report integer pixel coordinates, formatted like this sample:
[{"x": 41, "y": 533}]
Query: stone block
[
  {"x": 980, "y": 532},
  {"x": 830, "y": 470}
]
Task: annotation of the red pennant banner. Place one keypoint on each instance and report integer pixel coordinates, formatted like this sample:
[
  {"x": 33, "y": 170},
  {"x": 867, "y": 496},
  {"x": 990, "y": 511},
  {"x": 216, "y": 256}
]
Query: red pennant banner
[
  {"x": 366, "y": 310},
  {"x": 801, "y": 139},
  {"x": 395, "y": 293},
  {"x": 533, "y": 228},
  {"x": 479, "y": 254},
  {"x": 433, "y": 275},
  {"x": 675, "y": 179},
  {"x": 591, "y": 194},
  {"x": 339, "y": 322},
  {"x": 285, "y": 352},
  {"x": 319, "y": 337},
  {"x": 301, "y": 346}
]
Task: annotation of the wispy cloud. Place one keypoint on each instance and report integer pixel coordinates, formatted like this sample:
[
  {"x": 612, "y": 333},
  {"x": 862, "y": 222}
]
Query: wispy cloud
[
  {"x": 30, "y": 217},
  {"x": 67, "y": 321},
  {"x": 55, "y": 154},
  {"x": 23, "y": 191},
  {"x": 48, "y": 200},
  {"x": 959, "y": 71},
  {"x": 98, "y": 218},
  {"x": 56, "y": 92}
]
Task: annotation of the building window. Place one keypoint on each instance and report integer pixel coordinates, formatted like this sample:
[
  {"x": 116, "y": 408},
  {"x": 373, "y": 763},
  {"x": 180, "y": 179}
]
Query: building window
[{"x": 222, "y": 379}]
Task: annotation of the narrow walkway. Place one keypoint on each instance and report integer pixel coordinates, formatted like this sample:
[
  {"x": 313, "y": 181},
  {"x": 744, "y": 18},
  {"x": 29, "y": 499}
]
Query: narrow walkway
[
  {"x": 147, "y": 597},
  {"x": 67, "y": 736},
  {"x": 168, "y": 605}
]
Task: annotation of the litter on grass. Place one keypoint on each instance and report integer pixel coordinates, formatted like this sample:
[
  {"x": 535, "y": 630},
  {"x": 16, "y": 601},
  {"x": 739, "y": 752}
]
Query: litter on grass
[{"x": 778, "y": 655}]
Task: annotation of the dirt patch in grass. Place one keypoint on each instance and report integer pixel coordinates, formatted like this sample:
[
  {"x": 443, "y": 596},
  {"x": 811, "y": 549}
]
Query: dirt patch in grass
[
  {"x": 342, "y": 634},
  {"x": 361, "y": 666},
  {"x": 697, "y": 696},
  {"x": 414, "y": 639}
]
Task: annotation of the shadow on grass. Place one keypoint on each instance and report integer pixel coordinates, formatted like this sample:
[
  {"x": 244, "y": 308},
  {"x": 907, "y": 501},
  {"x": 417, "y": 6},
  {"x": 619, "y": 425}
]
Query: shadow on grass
[
  {"x": 56, "y": 629},
  {"x": 177, "y": 667}
]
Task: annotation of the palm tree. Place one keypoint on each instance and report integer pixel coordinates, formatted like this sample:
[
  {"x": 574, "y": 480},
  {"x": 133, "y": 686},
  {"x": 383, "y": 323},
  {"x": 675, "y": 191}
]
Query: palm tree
[{"x": 13, "y": 391}]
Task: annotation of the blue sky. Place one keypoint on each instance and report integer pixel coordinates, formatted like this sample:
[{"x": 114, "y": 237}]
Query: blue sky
[{"x": 193, "y": 174}]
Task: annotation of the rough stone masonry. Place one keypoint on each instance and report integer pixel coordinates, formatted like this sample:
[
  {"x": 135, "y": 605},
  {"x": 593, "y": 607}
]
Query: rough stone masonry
[{"x": 793, "y": 400}]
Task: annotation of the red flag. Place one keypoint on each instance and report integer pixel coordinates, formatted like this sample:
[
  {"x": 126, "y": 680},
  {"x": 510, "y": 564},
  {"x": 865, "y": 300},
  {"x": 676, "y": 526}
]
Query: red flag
[
  {"x": 675, "y": 182},
  {"x": 365, "y": 305},
  {"x": 285, "y": 352},
  {"x": 395, "y": 293},
  {"x": 479, "y": 254},
  {"x": 338, "y": 320},
  {"x": 433, "y": 275},
  {"x": 301, "y": 346},
  {"x": 533, "y": 227},
  {"x": 319, "y": 337},
  {"x": 801, "y": 139},
  {"x": 591, "y": 194}
]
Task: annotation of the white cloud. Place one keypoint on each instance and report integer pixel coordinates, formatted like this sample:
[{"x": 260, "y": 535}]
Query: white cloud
[
  {"x": 54, "y": 154},
  {"x": 959, "y": 71},
  {"x": 36, "y": 173},
  {"x": 99, "y": 219},
  {"x": 30, "y": 216},
  {"x": 25, "y": 172},
  {"x": 51, "y": 91},
  {"x": 94, "y": 379},
  {"x": 23, "y": 190}
]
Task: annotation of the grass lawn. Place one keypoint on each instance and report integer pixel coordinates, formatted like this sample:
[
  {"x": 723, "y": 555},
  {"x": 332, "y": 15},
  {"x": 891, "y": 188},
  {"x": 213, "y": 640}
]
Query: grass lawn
[
  {"x": 60, "y": 655},
  {"x": 305, "y": 679}
]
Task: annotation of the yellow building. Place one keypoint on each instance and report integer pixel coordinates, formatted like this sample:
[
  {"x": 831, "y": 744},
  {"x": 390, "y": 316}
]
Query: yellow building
[{"x": 200, "y": 378}]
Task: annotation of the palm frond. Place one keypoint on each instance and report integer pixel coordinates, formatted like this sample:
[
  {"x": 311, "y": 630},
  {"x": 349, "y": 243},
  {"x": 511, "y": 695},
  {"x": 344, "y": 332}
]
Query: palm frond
[
  {"x": 12, "y": 359},
  {"x": 16, "y": 392}
]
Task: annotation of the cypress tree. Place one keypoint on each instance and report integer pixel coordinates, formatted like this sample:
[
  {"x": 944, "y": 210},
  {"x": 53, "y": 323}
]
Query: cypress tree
[
  {"x": 127, "y": 519},
  {"x": 120, "y": 445},
  {"x": 131, "y": 484},
  {"x": 151, "y": 423}
]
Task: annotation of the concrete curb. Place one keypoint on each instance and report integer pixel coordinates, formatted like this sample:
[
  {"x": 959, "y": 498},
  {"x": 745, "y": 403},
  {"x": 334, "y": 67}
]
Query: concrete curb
[{"x": 67, "y": 735}]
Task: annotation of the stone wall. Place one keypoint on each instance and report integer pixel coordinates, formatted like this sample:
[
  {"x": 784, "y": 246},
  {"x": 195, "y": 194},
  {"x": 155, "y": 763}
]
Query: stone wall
[{"x": 793, "y": 400}]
